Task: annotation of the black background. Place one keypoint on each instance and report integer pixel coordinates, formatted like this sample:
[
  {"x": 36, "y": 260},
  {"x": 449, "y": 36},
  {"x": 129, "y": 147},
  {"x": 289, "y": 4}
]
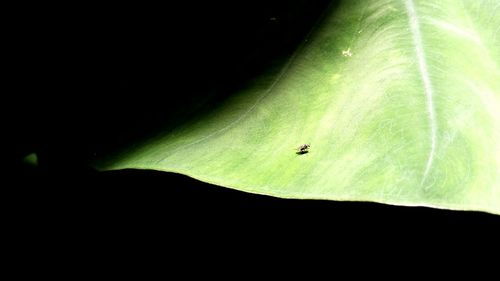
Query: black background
[{"x": 85, "y": 79}]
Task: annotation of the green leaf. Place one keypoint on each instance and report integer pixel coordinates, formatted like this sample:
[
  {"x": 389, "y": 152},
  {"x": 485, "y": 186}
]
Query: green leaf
[{"x": 399, "y": 100}]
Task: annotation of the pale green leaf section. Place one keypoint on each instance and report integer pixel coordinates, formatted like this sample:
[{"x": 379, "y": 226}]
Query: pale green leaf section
[{"x": 399, "y": 99}]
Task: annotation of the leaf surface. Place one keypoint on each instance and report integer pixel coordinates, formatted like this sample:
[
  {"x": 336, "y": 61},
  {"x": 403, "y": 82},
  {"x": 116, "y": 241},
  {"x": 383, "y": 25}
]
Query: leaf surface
[{"x": 399, "y": 100}]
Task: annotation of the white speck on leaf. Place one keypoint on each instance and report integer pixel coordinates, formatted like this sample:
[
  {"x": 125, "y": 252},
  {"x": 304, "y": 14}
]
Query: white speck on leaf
[{"x": 347, "y": 53}]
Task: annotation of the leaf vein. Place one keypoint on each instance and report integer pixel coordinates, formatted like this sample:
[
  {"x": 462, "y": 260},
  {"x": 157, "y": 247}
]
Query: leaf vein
[{"x": 428, "y": 89}]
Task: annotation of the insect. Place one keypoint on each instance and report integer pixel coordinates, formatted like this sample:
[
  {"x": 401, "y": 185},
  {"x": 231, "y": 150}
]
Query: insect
[{"x": 303, "y": 149}]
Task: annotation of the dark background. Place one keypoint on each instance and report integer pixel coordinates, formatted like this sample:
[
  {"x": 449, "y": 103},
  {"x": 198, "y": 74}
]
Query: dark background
[{"x": 87, "y": 79}]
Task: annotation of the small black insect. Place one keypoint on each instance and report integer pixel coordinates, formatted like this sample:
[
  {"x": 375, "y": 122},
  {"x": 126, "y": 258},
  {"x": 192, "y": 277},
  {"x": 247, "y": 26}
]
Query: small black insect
[{"x": 303, "y": 149}]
